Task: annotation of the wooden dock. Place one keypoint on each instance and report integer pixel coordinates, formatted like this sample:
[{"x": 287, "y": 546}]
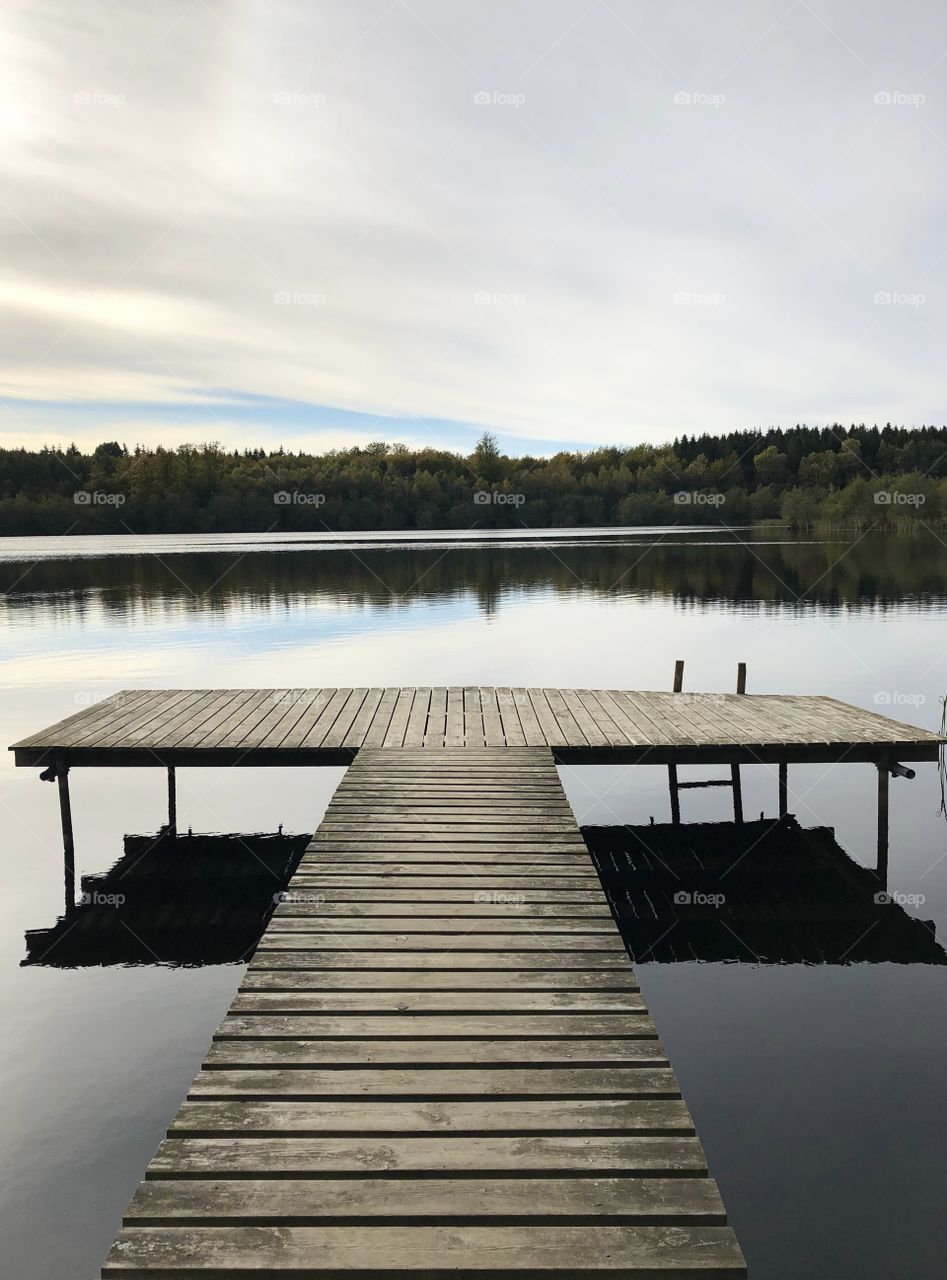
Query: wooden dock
[
  {"x": 438, "y": 1063},
  {"x": 188, "y": 727}
]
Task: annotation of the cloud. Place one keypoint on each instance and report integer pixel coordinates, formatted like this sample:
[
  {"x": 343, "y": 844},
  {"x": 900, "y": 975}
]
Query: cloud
[{"x": 603, "y": 224}]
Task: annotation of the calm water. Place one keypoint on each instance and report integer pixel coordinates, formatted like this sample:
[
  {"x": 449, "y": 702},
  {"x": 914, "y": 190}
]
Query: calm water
[{"x": 819, "y": 1091}]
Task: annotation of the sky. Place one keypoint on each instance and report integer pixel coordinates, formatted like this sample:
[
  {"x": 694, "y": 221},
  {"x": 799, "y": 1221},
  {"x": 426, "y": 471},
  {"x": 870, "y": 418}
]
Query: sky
[{"x": 573, "y": 224}]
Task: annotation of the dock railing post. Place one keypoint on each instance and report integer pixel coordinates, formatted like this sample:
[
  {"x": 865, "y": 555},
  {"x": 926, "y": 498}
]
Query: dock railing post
[
  {"x": 172, "y": 802},
  {"x": 735, "y": 768},
  {"x": 783, "y": 788},
  {"x": 672, "y": 768},
  {"x": 882, "y": 865}
]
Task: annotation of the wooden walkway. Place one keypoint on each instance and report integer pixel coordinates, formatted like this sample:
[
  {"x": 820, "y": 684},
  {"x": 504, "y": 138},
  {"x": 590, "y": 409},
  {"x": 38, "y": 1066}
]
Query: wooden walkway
[
  {"x": 326, "y": 726},
  {"x": 438, "y": 1063}
]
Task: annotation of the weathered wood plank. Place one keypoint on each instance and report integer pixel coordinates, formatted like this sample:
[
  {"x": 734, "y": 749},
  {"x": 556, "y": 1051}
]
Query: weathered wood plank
[
  {"x": 249, "y": 1052},
  {"x": 297, "y": 1202},
  {"x": 494, "y": 1003},
  {"x": 437, "y": 1253},
  {"x": 411, "y": 1083},
  {"x": 256, "y": 1119},
  {"x": 319, "y": 1157},
  {"x": 422, "y": 1026}
]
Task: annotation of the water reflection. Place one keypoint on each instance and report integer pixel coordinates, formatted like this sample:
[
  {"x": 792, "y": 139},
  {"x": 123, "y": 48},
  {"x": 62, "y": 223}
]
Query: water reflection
[
  {"x": 758, "y": 892},
  {"x": 734, "y": 570},
  {"x": 189, "y": 900}
]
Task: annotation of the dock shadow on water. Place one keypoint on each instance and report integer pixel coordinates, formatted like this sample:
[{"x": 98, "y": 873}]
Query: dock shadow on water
[
  {"x": 172, "y": 900},
  {"x": 765, "y": 892}
]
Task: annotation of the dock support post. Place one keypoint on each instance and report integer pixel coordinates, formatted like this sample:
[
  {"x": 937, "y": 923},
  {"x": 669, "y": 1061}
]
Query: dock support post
[
  {"x": 737, "y": 793},
  {"x": 783, "y": 788},
  {"x": 882, "y": 866},
  {"x": 68, "y": 844},
  {"x": 172, "y": 802},
  {"x": 672, "y": 768},
  {"x": 735, "y": 768}
]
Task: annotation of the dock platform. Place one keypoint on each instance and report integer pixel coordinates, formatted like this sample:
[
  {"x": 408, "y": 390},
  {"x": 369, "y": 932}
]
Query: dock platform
[
  {"x": 438, "y": 1063},
  {"x": 188, "y": 727}
]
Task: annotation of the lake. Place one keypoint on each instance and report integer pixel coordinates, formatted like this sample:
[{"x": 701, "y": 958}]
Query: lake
[{"x": 818, "y": 1089}]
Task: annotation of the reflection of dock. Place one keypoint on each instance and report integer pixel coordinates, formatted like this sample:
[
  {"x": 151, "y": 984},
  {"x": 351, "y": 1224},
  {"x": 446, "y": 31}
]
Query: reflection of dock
[
  {"x": 767, "y": 892},
  {"x": 439, "y": 1063},
  {"x": 189, "y": 900}
]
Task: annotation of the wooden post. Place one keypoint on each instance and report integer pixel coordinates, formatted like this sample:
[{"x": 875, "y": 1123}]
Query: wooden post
[
  {"x": 68, "y": 844},
  {"x": 882, "y": 867},
  {"x": 672, "y": 768},
  {"x": 172, "y": 802},
  {"x": 737, "y": 793},
  {"x": 783, "y": 788},
  {"x": 735, "y": 768}
]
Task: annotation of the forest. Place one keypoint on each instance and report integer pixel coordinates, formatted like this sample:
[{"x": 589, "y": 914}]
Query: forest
[{"x": 854, "y": 477}]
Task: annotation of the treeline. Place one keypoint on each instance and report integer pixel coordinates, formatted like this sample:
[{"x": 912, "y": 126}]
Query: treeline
[{"x": 855, "y": 477}]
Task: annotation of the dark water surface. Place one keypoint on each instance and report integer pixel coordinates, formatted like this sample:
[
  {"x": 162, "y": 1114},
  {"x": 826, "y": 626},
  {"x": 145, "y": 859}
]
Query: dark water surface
[{"x": 819, "y": 1090}]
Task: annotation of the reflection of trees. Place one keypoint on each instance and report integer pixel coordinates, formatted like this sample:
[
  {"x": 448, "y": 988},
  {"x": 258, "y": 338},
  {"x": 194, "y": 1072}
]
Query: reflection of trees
[{"x": 876, "y": 570}]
